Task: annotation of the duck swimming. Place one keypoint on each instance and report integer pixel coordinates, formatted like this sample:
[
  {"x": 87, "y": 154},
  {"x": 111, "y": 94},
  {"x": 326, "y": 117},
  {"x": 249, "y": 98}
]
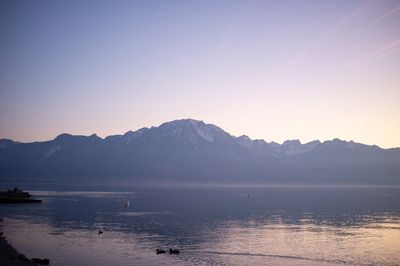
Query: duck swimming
[
  {"x": 160, "y": 251},
  {"x": 173, "y": 251}
]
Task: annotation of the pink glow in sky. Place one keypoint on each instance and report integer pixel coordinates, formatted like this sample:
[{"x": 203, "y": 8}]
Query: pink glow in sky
[{"x": 274, "y": 70}]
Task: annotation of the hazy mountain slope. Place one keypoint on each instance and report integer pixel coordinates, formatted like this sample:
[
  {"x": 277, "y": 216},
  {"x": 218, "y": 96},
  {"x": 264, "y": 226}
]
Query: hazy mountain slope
[{"x": 193, "y": 151}]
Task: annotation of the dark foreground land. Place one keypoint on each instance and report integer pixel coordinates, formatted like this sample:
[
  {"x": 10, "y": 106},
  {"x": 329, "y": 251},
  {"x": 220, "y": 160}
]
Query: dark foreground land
[{"x": 9, "y": 256}]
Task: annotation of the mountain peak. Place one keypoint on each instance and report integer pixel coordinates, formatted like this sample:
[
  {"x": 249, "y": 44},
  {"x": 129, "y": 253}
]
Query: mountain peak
[
  {"x": 192, "y": 150},
  {"x": 68, "y": 138},
  {"x": 185, "y": 121},
  {"x": 293, "y": 142},
  {"x": 131, "y": 136},
  {"x": 63, "y": 136},
  {"x": 94, "y": 137},
  {"x": 193, "y": 128},
  {"x": 291, "y": 147},
  {"x": 4, "y": 143},
  {"x": 336, "y": 142}
]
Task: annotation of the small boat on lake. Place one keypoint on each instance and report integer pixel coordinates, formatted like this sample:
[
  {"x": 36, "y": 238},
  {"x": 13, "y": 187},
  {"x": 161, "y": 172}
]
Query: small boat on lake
[
  {"x": 17, "y": 196},
  {"x": 126, "y": 203}
]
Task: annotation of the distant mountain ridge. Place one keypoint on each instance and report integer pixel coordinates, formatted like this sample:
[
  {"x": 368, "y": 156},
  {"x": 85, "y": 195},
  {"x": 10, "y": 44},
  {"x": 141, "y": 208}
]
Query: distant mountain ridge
[{"x": 193, "y": 151}]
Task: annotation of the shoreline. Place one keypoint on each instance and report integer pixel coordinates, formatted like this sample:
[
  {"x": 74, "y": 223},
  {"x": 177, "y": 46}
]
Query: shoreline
[{"x": 10, "y": 256}]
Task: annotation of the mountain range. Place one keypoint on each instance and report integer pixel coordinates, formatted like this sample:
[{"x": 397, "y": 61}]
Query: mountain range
[{"x": 189, "y": 150}]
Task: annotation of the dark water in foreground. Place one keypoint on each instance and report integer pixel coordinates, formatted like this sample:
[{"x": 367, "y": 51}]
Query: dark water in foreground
[{"x": 211, "y": 226}]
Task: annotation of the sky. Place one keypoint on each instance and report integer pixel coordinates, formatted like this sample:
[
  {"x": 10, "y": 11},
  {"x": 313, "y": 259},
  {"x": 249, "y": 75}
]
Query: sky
[{"x": 272, "y": 70}]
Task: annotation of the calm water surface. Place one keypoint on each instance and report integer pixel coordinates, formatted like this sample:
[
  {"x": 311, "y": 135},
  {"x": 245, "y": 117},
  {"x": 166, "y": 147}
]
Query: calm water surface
[{"x": 211, "y": 226}]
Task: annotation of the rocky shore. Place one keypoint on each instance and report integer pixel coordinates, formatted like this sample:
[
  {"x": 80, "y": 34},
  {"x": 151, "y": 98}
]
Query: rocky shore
[{"x": 9, "y": 256}]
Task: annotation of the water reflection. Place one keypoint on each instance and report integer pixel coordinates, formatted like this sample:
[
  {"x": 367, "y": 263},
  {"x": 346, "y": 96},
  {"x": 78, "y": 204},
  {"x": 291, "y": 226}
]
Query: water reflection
[{"x": 272, "y": 226}]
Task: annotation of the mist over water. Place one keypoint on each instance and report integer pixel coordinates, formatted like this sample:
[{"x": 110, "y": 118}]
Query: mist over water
[{"x": 211, "y": 225}]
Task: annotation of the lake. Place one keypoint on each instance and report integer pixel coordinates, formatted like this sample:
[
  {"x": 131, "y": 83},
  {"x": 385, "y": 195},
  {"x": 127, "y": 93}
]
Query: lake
[{"x": 210, "y": 226}]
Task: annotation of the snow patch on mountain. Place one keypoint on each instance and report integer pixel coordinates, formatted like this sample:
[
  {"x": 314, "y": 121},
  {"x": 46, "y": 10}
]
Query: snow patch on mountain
[
  {"x": 50, "y": 151},
  {"x": 291, "y": 147},
  {"x": 203, "y": 130},
  {"x": 131, "y": 136},
  {"x": 245, "y": 141},
  {"x": 194, "y": 130}
]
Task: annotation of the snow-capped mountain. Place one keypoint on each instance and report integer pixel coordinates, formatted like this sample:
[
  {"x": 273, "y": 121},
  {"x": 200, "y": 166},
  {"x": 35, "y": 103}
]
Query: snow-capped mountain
[
  {"x": 290, "y": 147},
  {"x": 192, "y": 150}
]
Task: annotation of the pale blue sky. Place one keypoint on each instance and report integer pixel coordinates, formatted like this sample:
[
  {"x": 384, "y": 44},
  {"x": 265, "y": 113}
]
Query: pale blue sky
[{"x": 270, "y": 69}]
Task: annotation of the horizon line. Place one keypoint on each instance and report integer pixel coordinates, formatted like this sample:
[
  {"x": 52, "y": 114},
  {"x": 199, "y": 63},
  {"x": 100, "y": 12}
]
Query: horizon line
[{"x": 202, "y": 121}]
